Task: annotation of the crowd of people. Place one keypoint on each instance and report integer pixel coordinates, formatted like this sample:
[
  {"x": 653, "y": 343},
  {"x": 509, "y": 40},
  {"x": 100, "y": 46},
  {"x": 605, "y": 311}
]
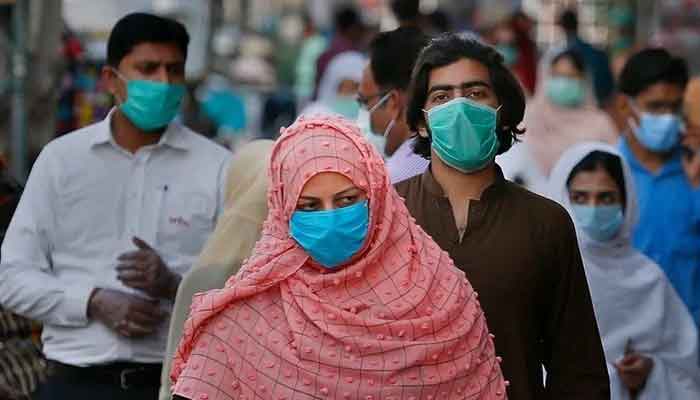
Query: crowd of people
[{"x": 440, "y": 222}]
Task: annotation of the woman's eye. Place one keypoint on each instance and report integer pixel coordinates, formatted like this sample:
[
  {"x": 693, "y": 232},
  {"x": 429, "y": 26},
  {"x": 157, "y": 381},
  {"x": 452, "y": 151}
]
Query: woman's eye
[
  {"x": 306, "y": 207},
  {"x": 346, "y": 201}
]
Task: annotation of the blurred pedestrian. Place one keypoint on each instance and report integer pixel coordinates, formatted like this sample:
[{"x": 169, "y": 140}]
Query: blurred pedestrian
[
  {"x": 563, "y": 111},
  {"x": 338, "y": 91},
  {"x": 650, "y": 340},
  {"x": 519, "y": 250},
  {"x": 596, "y": 60},
  {"x": 237, "y": 230},
  {"x": 22, "y": 366},
  {"x": 110, "y": 219},
  {"x": 407, "y": 13},
  {"x": 525, "y": 68},
  {"x": 653, "y": 83},
  {"x": 350, "y": 34},
  {"x": 312, "y": 46},
  {"x": 383, "y": 98},
  {"x": 344, "y": 296}
]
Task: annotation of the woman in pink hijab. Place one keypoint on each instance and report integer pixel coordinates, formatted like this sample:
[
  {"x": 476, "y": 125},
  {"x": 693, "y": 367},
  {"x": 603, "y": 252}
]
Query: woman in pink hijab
[{"x": 345, "y": 297}]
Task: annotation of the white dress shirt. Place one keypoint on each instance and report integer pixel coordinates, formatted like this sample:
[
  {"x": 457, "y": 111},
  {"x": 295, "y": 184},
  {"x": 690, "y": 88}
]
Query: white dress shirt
[{"x": 85, "y": 199}]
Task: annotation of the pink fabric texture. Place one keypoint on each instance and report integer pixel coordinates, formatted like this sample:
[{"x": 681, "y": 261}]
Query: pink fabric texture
[{"x": 398, "y": 321}]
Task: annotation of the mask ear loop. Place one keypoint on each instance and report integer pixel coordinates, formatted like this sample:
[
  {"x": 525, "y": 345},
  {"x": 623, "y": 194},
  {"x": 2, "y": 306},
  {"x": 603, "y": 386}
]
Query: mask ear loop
[{"x": 123, "y": 79}]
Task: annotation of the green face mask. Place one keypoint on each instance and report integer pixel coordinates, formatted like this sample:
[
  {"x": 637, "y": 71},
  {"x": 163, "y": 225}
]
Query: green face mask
[
  {"x": 565, "y": 92},
  {"x": 151, "y": 105},
  {"x": 346, "y": 106},
  {"x": 464, "y": 134},
  {"x": 509, "y": 53}
]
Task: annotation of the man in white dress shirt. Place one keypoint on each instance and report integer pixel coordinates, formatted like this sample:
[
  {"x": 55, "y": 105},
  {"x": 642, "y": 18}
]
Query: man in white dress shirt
[
  {"x": 111, "y": 218},
  {"x": 383, "y": 97}
]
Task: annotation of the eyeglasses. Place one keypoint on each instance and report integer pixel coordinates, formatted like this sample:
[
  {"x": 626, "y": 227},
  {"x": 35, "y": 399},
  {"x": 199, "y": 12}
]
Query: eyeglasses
[{"x": 365, "y": 100}]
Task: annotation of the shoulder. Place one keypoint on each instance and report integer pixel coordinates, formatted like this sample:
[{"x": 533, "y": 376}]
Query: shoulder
[
  {"x": 540, "y": 210},
  {"x": 74, "y": 142},
  {"x": 203, "y": 146},
  {"x": 407, "y": 186}
]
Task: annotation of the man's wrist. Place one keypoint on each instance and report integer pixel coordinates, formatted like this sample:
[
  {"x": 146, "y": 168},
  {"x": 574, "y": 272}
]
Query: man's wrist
[{"x": 93, "y": 304}]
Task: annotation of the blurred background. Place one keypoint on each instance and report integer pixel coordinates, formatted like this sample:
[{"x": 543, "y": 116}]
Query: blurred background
[{"x": 251, "y": 63}]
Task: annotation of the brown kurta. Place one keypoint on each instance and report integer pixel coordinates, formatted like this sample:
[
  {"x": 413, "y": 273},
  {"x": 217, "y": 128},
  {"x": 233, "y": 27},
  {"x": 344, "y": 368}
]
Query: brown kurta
[{"x": 520, "y": 253}]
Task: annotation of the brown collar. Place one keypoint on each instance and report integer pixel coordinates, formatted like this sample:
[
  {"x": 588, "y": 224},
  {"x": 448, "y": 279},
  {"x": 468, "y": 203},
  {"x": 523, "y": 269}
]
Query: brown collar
[{"x": 433, "y": 187}]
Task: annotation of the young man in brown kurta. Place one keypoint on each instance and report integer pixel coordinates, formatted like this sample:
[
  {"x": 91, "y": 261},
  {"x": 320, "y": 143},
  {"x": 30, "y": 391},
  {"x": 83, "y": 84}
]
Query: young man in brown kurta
[{"x": 519, "y": 250}]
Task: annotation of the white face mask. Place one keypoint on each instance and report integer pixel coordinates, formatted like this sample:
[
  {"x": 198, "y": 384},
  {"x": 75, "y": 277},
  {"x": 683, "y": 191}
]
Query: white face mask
[{"x": 364, "y": 122}]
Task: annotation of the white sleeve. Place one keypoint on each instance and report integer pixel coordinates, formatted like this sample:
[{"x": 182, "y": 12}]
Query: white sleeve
[
  {"x": 676, "y": 374},
  {"x": 28, "y": 285},
  {"x": 222, "y": 190}
]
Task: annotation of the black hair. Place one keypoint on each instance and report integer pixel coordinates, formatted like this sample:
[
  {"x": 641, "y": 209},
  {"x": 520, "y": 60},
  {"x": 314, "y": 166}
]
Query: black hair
[
  {"x": 346, "y": 18},
  {"x": 651, "y": 66},
  {"x": 575, "y": 58},
  {"x": 405, "y": 10},
  {"x": 610, "y": 163},
  {"x": 393, "y": 55},
  {"x": 448, "y": 49},
  {"x": 137, "y": 28},
  {"x": 568, "y": 20}
]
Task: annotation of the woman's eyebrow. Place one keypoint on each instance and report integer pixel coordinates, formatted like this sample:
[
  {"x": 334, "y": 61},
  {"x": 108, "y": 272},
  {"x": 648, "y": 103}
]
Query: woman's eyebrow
[{"x": 347, "y": 191}]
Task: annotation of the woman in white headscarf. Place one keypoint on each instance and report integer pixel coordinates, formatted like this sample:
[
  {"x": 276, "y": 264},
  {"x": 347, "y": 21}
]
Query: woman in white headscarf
[
  {"x": 649, "y": 338},
  {"x": 337, "y": 90}
]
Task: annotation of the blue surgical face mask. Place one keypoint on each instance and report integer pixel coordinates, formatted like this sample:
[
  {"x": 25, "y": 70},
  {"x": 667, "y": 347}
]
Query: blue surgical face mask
[
  {"x": 509, "y": 53},
  {"x": 660, "y": 133},
  {"x": 331, "y": 237},
  {"x": 601, "y": 223},
  {"x": 364, "y": 122},
  {"x": 151, "y": 105},
  {"x": 464, "y": 134}
]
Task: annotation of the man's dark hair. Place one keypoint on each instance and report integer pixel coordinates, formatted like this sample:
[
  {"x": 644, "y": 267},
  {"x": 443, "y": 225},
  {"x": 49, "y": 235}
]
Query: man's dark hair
[
  {"x": 651, "y": 66},
  {"x": 138, "y": 28},
  {"x": 347, "y": 18},
  {"x": 610, "y": 163},
  {"x": 568, "y": 20},
  {"x": 448, "y": 49},
  {"x": 573, "y": 55},
  {"x": 405, "y": 10},
  {"x": 393, "y": 55}
]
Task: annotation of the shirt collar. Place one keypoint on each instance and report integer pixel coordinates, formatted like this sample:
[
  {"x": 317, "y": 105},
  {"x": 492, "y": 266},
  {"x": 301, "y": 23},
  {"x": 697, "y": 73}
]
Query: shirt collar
[
  {"x": 173, "y": 137},
  {"x": 432, "y": 186}
]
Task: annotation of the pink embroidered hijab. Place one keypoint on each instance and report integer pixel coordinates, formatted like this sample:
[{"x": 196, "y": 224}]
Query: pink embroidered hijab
[{"x": 399, "y": 321}]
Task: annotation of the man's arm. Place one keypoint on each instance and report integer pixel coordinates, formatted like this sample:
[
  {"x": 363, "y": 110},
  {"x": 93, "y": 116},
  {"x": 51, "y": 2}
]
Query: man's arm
[
  {"x": 27, "y": 285},
  {"x": 573, "y": 350}
]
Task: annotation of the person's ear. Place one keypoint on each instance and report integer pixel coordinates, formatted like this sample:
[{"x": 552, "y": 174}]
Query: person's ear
[
  {"x": 112, "y": 83},
  {"x": 395, "y": 104}
]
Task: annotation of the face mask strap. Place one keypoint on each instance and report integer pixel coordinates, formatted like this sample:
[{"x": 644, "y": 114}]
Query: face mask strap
[{"x": 380, "y": 102}]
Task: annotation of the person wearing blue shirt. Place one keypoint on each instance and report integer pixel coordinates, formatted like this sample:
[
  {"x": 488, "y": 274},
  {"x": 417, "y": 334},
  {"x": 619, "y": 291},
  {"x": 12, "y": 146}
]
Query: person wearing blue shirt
[{"x": 653, "y": 83}]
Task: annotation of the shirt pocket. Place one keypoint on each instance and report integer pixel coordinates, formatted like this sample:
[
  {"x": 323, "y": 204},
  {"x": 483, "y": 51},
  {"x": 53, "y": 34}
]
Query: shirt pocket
[{"x": 186, "y": 218}]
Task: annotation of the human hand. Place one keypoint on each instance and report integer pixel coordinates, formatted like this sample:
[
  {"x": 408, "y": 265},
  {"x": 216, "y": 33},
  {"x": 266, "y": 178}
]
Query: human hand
[
  {"x": 143, "y": 269},
  {"x": 634, "y": 369},
  {"x": 126, "y": 314}
]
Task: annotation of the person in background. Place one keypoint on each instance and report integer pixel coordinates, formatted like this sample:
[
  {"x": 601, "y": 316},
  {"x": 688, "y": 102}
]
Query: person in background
[
  {"x": 407, "y": 13},
  {"x": 344, "y": 296},
  {"x": 383, "y": 98},
  {"x": 339, "y": 85},
  {"x": 232, "y": 242},
  {"x": 653, "y": 83},
  {"x": 22, "y": 366},
  {"x": 350, "y": 35},
  {"x": 525, "y": 68},
  {"x": 112, "y": 216},
  {"x": 597, "y": 61},
  {"x": 563, "y": 111},
  {"x": 312, "y": 46},
  {"x": 650, "y": 340},
  {"x": 691, "y": 140},
  {"x": 518, "y": 249}
]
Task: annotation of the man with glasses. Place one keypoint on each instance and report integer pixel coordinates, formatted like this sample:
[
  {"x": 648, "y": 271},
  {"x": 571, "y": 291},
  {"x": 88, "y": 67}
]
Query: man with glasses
[
  {"x": 517, "y": 249},
  {"x": 383, "y": 98},
  {"x": 653, "y": 82}
]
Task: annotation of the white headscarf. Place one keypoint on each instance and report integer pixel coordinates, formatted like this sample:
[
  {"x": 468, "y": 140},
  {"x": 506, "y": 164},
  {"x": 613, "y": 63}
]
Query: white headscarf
[
  {"x": 633, "y": 300},
  {"x": 345, "y": 66}
]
